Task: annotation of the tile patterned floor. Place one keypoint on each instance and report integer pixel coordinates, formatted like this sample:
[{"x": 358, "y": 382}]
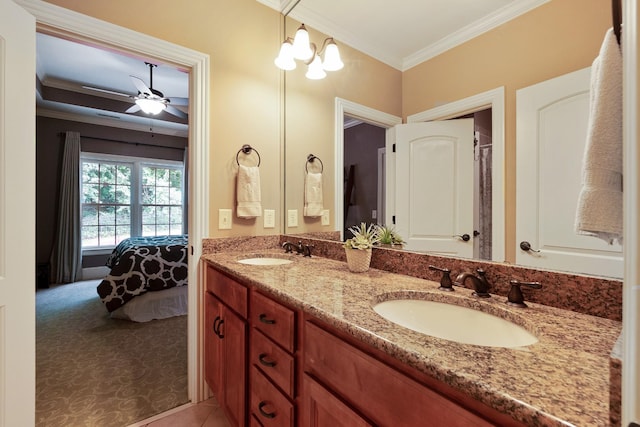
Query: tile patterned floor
[{"x": 205, "y": 414}]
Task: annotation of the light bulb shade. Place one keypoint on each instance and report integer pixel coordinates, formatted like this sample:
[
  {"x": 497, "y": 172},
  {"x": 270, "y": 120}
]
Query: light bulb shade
[
  {"x": 332, "y": 61},
  {"x": 150, "y": 106},
  {"x": 301, "y": 46},
  {"x": 285, "y": 60},
  {"x": 315, "y": 71}
]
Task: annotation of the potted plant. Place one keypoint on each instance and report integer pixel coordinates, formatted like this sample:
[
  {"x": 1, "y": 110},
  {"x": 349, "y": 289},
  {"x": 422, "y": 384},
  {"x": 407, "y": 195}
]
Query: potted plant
[
  {"x": 389, "y": 236},
  {"x": 358, "y": 248}
]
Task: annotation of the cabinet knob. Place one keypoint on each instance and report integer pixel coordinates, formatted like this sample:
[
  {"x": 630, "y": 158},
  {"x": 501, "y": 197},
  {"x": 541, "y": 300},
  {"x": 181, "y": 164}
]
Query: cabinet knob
[
  {"x": 265, "y": 413},
  {"x": 464, "y": 237}
]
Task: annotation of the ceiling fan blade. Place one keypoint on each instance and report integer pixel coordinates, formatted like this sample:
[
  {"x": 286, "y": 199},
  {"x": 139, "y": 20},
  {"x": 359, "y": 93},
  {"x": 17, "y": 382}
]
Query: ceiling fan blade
[
  {"x": 112, "y": 92},
  {"x": 133, "y": 109},
  {"x": 179, "y": 101},
  {"x": 140, "y": 85},
  {"x": 175, "y": 112}
]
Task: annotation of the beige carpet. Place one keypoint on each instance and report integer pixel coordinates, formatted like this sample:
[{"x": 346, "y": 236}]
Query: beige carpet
[{"x": 95, "y": 371}]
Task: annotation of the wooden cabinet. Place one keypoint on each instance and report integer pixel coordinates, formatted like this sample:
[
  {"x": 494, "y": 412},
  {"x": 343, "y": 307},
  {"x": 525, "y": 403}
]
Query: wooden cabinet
[
  {"x": 225, "y": 337},
  {"x": 321, "y": 408},
  {"x": 270, "y": 366},
  {"x": 373, "y": 390},
  {"x": 272, "y": 359}
]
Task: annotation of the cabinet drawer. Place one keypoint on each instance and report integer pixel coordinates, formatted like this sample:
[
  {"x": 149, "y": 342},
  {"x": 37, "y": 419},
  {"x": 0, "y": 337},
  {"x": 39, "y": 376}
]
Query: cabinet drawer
[
  {"x": 228, "y": 291},
  {"x": 268, "y": 405},
  {"x": 384, "y": 395},
  {"x": 274, "y": 320},
  {"x": 276, "y": 363}
]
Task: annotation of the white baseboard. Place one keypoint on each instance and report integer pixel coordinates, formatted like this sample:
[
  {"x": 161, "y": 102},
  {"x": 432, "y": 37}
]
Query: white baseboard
[{"x": 94, "y": 272}]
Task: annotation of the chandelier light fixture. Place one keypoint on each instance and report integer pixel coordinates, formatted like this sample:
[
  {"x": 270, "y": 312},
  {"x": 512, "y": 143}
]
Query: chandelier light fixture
[{"x": 302, "y": 49}]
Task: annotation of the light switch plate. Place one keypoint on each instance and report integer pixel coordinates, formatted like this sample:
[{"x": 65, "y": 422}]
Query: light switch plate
[
  {"x": 224, "y": 219},
  {"x": 292, "y": 218},
  {"x": 325, "y": 220},
  {"x": 269, "y": 218}
]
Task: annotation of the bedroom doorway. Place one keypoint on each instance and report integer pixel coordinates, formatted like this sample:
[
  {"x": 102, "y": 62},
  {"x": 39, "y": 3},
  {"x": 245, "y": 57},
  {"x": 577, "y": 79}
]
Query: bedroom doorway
[{"x": 71, "y": 25}]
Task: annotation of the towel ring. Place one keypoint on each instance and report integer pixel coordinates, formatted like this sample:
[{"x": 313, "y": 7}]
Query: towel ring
[
  {"x": 310, "y": 159},
  {"x": 246, "y": 149}
]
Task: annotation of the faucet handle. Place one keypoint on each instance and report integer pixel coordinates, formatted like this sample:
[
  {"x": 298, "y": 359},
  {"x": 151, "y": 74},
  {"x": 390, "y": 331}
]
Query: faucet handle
[
  {"x": 515, "y": 297},
  {"x": 288, "y": 247},
  {"x": 307, "y": 250},
  {"x": 445, "y": 280}
]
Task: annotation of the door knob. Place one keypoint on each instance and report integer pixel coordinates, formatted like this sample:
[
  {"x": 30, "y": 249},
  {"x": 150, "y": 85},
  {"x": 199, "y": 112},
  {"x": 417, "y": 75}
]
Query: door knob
[
  {"x": 464, "y": 237},
  {"x": 526, "y": 246}
]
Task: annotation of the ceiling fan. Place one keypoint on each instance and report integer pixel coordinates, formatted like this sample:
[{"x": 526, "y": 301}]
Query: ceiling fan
[{"x": 149, "y": 100}]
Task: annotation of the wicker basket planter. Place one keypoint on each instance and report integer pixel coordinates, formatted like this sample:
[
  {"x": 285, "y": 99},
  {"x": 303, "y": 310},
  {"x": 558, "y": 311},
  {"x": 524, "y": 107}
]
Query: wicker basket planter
[{"x": 358, "y": 260}]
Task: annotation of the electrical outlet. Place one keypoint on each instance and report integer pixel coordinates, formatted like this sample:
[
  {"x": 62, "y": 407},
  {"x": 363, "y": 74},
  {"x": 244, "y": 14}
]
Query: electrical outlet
[
  {"x": 374, "y": 214},
  {"x": 269, "y": 218},
  {"x": 224, "y": 219},
  {"x": 292, "y": 218},
  {"x": 325, "y": 217}
]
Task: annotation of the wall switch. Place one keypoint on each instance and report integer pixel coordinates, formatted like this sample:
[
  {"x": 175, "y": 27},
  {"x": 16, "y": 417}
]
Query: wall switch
[
  {"x": 292, "y": 218},
  {"x": 224, "y": 219},
  {"x": 325, "y": 220},
  {"x": 269, "y": 218}
]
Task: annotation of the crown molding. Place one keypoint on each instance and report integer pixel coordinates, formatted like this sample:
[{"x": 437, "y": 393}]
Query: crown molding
[{"x": 343, "y": 35}]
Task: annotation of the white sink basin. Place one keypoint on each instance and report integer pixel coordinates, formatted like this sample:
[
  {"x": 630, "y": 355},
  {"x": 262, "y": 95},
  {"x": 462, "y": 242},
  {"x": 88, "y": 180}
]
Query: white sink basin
[
  {"x": 455, "y": 323},
  {"x": 265, "y": 261}
]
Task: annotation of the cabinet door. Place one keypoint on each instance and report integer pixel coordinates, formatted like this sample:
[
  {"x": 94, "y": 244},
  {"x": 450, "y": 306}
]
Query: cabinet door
[
  {"x": 320, "y": 408},
  {"x": 212, "y": 345},
  {"x": 233, "y": 331}
]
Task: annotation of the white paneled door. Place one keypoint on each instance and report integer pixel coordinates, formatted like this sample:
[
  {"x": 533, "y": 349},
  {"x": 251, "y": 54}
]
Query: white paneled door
[
  {"x": 434, "y": 186},
  {"x": 17, "y": 215},
  {"x": 551, "y": 122}
]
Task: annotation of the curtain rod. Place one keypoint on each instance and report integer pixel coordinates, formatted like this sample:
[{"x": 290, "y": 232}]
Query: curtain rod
[{"x": 125, "y": 142}]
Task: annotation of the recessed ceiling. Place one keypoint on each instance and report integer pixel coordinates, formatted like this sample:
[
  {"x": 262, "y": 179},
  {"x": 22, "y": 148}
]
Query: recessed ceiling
[
  {"x": 402, "y": 33},
  {"x": 82, "y": 82}
]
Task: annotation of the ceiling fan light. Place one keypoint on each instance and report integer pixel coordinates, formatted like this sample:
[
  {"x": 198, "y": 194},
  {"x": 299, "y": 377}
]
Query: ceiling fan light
[
  {"x": 315, "y": 71},
  {"x": 285, "y": 60},
  {"x": 150, "y": 106},
  {"x": 332, "y": 61},
  {"x": 301, "y": 46}
]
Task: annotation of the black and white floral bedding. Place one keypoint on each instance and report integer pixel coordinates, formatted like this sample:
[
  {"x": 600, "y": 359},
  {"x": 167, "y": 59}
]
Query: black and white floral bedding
[{"x": 143, "y": 264}]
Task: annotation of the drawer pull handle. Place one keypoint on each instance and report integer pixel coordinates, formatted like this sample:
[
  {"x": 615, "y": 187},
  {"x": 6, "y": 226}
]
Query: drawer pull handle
[
  {"x": 261, "y": 358},
  {"x": 263, "y": 412},
  {"x": 215, "y": 325},
  {"x": 220, "y": 334},
  {"x": 264, "y": 319}
]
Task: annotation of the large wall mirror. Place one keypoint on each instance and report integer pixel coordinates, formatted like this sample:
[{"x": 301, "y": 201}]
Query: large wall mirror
[{"x": 533, "y": 47}]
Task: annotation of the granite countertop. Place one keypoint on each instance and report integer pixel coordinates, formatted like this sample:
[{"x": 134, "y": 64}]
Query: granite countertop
[{"x": 563, "y": 379}]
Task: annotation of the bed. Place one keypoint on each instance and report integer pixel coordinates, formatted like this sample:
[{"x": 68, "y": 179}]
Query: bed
[{"x": 148, "y": 278}]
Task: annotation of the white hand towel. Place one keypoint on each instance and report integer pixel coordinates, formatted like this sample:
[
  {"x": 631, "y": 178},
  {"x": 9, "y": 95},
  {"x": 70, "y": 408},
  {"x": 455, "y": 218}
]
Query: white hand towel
[
  {"x": 313, "y": 195},
  {"x": 248, "y": 192},
  {"x": 599, "y": 212}
]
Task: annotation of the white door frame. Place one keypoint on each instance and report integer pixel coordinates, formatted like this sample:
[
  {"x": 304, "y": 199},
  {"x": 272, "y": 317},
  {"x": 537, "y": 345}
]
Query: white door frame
[
  {"x": 63, "y": 22},
  {"x": 631, "y": 159},
  {"x": 367, "y": 115},
  {"x": 493, "y": 99}
]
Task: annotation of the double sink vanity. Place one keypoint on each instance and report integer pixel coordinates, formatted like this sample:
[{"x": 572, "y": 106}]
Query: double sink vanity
[{"x": 293, "y": 340}]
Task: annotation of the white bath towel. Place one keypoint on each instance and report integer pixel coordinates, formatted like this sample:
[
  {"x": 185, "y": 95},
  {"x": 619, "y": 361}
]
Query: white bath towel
[
  {"x": 599, "y": 212},
  {"x": 313, "y": 195},
  {"x": 248, "y": 192}
]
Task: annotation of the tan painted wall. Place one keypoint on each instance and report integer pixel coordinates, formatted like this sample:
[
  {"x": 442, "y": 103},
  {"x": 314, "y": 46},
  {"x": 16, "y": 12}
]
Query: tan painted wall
[
  {"x": 554, "y": 39},
  {"x": 241, "y": 37},
  {"x": 310, "y": 118}
]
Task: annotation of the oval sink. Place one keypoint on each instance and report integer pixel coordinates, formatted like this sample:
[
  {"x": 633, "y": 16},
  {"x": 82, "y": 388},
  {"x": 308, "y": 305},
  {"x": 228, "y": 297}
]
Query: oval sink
[
  {"x": 455, "y": 323},
  {"x": 265, "y": 261}
]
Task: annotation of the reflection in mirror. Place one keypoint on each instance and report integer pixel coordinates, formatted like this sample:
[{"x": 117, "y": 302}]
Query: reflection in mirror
[{"x": 527, "y": 49}]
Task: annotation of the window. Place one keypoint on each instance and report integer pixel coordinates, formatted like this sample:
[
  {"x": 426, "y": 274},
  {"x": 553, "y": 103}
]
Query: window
[{"x": 123, "y": 197}]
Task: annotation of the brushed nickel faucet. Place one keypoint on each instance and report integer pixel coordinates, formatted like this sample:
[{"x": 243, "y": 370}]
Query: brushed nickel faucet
[{"x": 479, "y": 281}]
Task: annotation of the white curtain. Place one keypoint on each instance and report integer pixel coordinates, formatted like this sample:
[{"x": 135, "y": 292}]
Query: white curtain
[{"x": 66, "y": 258}]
